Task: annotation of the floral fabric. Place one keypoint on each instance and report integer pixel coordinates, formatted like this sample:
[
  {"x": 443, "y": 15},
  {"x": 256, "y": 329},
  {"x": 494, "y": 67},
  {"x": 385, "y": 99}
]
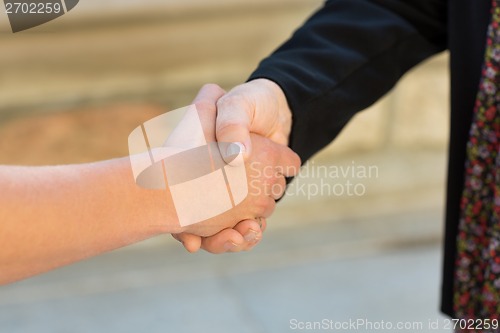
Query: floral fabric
[{"x": 477, "y": 274}]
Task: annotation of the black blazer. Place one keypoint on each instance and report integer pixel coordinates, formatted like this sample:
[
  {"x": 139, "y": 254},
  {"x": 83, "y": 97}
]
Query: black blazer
[{"x": 351, "y": 52}]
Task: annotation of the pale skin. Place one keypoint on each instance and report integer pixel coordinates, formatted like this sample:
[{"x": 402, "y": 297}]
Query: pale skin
[
  {"x": 54, "y": 216},
  {"x": 259, "y": 107}
]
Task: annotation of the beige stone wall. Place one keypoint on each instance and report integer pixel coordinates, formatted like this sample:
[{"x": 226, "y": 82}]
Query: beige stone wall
[{"x": 160, "y": 55}]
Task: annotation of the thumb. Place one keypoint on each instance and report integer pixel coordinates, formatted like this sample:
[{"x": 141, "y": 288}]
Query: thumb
[
  {"x": 234, "y": 118},
  {"x": 191, "y": 243}
]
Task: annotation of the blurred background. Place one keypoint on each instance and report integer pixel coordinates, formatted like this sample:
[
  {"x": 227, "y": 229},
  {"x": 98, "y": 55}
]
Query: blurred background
[{"x": 72, "y": 90}]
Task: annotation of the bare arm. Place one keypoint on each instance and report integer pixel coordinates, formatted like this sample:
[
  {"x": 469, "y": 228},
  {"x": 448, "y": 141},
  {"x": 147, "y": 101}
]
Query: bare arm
[{"x": 52, "y": 216}]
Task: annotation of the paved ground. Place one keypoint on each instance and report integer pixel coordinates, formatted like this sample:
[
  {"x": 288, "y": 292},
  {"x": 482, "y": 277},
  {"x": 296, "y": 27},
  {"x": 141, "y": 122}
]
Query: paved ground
[{"x": 330, "y": 272}]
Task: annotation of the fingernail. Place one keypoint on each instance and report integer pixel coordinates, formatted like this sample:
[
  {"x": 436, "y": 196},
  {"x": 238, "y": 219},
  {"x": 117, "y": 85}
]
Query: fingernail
[
  {"x": 235, "y": 148},
  {"x": 229, "y": 246},
  {"x": 251, "y": 236}
]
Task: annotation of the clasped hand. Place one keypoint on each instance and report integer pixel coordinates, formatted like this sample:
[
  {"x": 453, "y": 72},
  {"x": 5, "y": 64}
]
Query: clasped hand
[{"x": 239, "y": 116}]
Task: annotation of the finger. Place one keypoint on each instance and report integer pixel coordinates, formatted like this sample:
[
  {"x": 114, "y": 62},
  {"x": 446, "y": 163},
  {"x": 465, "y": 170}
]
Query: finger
[
  {"x": 263, "y": 224},
  {"x": 289, "y": 162},
  {"x": 278, "y": 188},
  {"x": 191, "y": 243},
  {"x": 234, "y": 118},
  {"x": 241, "y": 238},
  {"x": 208, "y": 96},
  {"x": 206, "y": 104},
  {"x": 252, "y": 234},
  {"x": 222, "y": 242},
  {"x": 264, "y": 206}
]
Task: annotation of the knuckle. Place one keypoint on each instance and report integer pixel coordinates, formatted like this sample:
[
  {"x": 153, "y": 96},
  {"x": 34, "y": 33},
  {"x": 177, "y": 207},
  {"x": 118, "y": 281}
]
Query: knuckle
[
  {"x": 261, "y": 205},
  {"x": 297, "y": 162},
  {"x": 226, "y": 126},
  {"x": 271, "y": 208},
  {"x": 269, "y": 178},
  {"x": 212, "y": 86},
  {"x": 230, "y": 99}
]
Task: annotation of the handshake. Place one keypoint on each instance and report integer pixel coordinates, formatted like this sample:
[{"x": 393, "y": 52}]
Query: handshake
[
  {"x": 223, "y": 166},
  {"x": 225, "y": 163},
  {"x": 221, "y": 170}
]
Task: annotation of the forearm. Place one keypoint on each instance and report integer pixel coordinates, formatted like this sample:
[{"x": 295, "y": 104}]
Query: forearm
[{"x": 52, "y": 216}]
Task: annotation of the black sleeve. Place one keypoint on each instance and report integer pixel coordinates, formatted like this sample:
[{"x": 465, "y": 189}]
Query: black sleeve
[{"x": 348, "y": 55}]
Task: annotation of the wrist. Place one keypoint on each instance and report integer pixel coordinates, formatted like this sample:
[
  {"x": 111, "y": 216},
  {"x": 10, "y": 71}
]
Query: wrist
[
  {"x": 284, "y": 113},
  {"x": 151, "y": 210}
]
